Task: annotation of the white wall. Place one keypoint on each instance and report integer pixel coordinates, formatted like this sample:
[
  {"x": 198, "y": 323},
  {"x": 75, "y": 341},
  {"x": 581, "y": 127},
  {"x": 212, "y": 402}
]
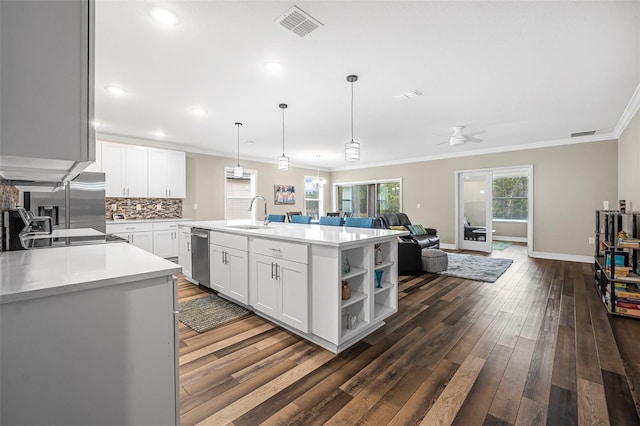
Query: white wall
[{"x": 629, "y": 166}]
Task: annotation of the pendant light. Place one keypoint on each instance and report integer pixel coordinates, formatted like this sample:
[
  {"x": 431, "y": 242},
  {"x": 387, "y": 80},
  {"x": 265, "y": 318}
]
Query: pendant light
[
  {"x": 318, "y": 181},
  {"x": 283, "y": 160},
  {"x": 352, "y": 149},
  {"x": 238, "y": 171}
]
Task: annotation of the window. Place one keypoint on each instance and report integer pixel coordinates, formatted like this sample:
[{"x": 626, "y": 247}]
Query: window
[
  {"x": 510, "y": 197},
  {"x": 238, "y": 194},
  {"x": 313, "y": 197},
  {"x": 369, "y": 199}
]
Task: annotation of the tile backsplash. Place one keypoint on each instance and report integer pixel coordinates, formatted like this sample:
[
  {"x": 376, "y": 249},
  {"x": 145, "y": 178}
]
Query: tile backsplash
[
  {"x": 144, "y": 208},
  {"x": 9, "y": 199}
]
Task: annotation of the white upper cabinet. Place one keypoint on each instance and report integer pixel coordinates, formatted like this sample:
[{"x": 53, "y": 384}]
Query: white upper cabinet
[
  {"x": 125, "y": 168},
  {"x": 47, "y": 56},
  {"x": 97, "y": 165},
  {"x": 167, "y": 171}
]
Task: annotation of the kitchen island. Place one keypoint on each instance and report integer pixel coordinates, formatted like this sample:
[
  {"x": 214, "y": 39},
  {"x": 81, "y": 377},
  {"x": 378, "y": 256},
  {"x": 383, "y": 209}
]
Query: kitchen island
[
  {"x": 294, "y": 274},
  {"x": 88, "y": 336}
]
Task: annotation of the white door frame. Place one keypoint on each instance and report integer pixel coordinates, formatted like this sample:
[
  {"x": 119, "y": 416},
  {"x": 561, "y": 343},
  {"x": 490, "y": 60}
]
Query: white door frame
[
  {"x": 529, "y": 169},
  {"x": 477, "y": 245}
]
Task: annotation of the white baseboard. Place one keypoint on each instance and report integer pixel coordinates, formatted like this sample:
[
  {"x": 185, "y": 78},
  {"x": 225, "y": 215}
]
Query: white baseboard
[
  {"x": 562, "y": 256},
  {"x": 511, "y": 239},
  {"x": 448, "y": 246}
]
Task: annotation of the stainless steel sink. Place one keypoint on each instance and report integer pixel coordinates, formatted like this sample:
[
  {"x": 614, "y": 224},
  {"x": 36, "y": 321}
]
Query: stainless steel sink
[{"x": 248, "y": 226}]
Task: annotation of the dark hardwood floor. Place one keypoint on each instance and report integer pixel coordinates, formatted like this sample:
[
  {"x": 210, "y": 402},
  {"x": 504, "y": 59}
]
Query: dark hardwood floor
[{"x": 535, "y": 347}]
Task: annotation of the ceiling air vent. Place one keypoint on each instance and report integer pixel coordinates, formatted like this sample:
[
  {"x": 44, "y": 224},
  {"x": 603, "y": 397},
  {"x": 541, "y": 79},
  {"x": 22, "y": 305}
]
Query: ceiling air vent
[
  {"x": 298, "y": 21},
  {"x": 587, "y": 133}
]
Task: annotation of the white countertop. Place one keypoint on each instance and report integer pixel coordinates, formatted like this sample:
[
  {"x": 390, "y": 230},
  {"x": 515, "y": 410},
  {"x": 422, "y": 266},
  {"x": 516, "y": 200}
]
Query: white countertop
[
  {"x": 296, "y": 232},
  {"x": 67, "y": 233},
  {"x": 177, "y": 219},
  {"x": 29, "y": 274}
]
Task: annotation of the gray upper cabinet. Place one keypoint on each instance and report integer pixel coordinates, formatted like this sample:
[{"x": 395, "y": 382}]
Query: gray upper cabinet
[{"x": 47, "y": 56}]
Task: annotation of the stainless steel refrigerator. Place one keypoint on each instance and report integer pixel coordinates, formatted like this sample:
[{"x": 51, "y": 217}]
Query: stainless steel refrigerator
[{"x": 80, "y": 203}]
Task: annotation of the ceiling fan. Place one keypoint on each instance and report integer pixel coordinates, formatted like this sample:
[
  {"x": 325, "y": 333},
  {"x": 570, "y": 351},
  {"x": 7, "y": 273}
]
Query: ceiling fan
[{"x": 458, "y": 138}]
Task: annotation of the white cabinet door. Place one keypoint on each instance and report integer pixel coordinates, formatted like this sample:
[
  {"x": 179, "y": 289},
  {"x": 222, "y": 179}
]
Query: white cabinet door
[
  {"x": 125, "y": 168},
  {"x": 184, "y": 251},
  {"x": 238, "y": 283},
  {"x": 264, "y": 294},
  {"x": 143, "y": 240},
  {"x": 47, "y": 85},
  {"x": 293, "y": 306},
  {"x": 136, "y": 170},
  {"x": 164, "y": 243},
  {"x": 167, "y": 173},
  {"x": 218, "y": 268},
  {"x": 113, "y": 167}
]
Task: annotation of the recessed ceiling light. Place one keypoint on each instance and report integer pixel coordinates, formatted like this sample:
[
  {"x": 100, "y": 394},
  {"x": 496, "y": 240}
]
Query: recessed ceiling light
[
  {"x": 160, "y": 133},
  {"x": 163, "y": 16},
  {"x": 198, "y": 111},
  {"x": 96, "y": 123},
  {"x": 116, "y": 90},
  {"x": 274, "y": 67}
]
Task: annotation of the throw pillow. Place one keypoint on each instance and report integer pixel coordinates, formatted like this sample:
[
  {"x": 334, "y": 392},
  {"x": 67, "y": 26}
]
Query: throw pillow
[
  {"x": 397, "y": 228},
  {"x": 417, "y": 230}
]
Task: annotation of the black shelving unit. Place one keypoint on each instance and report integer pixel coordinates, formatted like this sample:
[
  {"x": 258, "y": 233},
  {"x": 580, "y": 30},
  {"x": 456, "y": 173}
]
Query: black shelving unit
[{"x": 611, "y": 286}]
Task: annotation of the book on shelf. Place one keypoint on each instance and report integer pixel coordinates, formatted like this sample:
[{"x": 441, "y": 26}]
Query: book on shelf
[
  {"x": 626, "y": 286},
  {"x": 630, "y": 312},
  {"x": 631, "y": 295},
  {"x": 627, "y": 305}
]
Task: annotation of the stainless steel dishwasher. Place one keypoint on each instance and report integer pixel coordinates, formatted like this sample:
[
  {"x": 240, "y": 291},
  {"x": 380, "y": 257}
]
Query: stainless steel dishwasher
[{"x": 200, "y": 256}]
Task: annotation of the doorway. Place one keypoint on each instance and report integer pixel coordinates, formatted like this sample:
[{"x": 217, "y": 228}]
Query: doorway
[{"x": 494, "y": 204}]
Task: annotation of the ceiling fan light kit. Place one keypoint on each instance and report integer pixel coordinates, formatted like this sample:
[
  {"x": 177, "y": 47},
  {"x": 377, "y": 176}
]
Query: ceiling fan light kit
[
  {"x": 458, "y": 138},
  {"x": 283, "y": 160},
  {"x": 238, "y": 171},
  {"x": 352, "y": 149}
]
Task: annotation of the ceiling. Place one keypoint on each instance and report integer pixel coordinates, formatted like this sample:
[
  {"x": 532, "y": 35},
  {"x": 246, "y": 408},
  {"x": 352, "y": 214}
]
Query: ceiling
[{"x": 521, "y": 72}]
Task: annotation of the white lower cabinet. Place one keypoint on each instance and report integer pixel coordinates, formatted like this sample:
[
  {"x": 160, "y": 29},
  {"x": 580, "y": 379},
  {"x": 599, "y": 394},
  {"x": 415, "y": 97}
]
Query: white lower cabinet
[
  {"x": 228, "y": 263},
  {"x": 184, "y": 250},
  {"x": 279, "y": 286},
  {"x": 138, "y": 234},
  {"x": 165, "y": 239}
]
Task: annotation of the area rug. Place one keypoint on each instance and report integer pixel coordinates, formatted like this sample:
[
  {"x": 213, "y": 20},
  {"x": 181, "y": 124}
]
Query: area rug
[
  {"x": 209, "y": 312},
  {"x": 501, "y": 245},
  {"x": 479, "y": 268}
]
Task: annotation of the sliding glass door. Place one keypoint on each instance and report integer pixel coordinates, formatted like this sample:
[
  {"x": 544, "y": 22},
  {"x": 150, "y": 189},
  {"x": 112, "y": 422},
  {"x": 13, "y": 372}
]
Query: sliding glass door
[{"x": 368, "y": 199}]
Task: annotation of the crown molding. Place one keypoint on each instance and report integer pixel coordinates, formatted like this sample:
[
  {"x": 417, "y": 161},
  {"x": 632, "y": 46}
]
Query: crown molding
[
  {"x": 629, "y": 112},
  {"x": 510, "y": 148}
]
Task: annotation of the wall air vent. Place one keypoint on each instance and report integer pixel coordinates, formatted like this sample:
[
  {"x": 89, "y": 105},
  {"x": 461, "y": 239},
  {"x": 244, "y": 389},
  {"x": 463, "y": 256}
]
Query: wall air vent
[
  {"x": 298, "y": 21},
  {"x": 587, "y": 133}
]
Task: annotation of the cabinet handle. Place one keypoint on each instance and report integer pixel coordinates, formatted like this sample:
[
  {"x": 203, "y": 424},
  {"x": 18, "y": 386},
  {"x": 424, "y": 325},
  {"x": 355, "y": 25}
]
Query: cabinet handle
[
  {"x": 226, "y": 257},
  {"x": 131, "y": 238},
  {"x": 188, "y": 246},
  {"x": 275, "y": 249},
  {"x": 277, "y": 273},
  {"x": 222, "y": 256},
  {"x": 124, "y": 191},
  {"x": 130, "y": 227},
  {"x": 169, "y": 192},
  {"x": 272, "y": 274}
]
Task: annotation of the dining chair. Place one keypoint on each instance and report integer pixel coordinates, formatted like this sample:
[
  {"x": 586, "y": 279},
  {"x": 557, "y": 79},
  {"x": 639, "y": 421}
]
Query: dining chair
[
  {"x": 276, "y": 218},
  {"x": 300, "y": 219},
  {"x": 333, "y": 214},
  {"x": 359, "y": 222},
  {"x": 291, "y": 214},
  {"x": 331, "y": 220}
]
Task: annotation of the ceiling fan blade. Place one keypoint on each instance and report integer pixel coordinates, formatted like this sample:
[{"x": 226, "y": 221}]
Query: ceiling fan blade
[
  {"x": 475, "y": 140},
  {"x": 479, "y": 132}
]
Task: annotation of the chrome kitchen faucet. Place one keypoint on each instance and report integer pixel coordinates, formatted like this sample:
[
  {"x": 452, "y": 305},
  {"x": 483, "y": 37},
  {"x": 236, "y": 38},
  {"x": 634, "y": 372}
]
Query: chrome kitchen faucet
[{"x": 266, "y": 218}]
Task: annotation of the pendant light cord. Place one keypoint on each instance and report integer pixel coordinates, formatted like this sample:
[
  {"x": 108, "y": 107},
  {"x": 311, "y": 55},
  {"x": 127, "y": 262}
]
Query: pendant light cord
[
  {"x": 352, "y": 111},
  {"x": 238, "y": 126},
  {"x": 283, "y": 132}
]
